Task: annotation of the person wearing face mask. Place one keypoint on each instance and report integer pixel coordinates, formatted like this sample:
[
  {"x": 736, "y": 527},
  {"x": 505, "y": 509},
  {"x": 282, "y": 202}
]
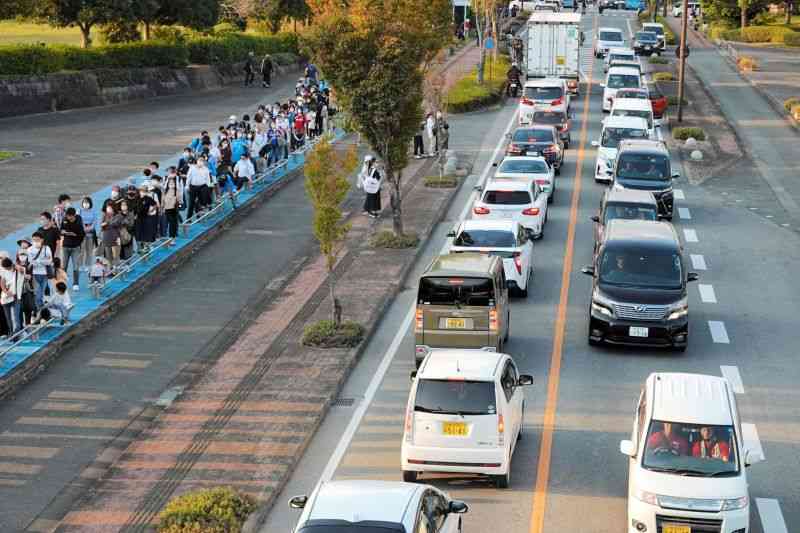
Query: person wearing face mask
[
  {"x": 28, "y": 292},
  {"x": 10, "y": 294},
  {"x": 197, "y": 178},
  {"x": 89, "y": 219},
  {"x": 170, "y": 203},
  {"x": 110, "y": 234},
  {"x": 41, "y": 259},
  {"x": 147, "y": 218},
  {"x": 184, "y": 163},
  {"x": 50, "y": 232},
  {"x": 73, "y": 235},
  {"x": 127, "y": 230},
  {"x": 115, "y": 199}
]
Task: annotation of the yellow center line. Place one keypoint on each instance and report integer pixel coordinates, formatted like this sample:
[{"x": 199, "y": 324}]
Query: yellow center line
[{"x": 548, "y": 425}]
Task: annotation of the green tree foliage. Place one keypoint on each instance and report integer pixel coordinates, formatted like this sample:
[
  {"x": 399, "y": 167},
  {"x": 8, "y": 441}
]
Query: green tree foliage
[
  {"x": 274, "y": 12},
  {"x": 85, "y": 14},
  {"x": 730, "y": 12},
  {"x": 120, "y": 31},
  {"x": 196, "y": 14}
]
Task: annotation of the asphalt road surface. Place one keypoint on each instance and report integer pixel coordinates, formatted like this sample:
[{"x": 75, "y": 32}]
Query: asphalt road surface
[{"x": 567, "y": 472}]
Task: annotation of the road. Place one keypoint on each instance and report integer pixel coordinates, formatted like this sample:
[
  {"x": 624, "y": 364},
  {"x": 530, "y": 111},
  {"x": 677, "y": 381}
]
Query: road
[{"x": 568, "y": 474}]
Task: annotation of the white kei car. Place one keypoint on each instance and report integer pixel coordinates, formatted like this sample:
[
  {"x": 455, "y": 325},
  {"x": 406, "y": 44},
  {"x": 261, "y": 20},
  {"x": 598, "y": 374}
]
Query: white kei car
[
  {"x": 618, "y": 54},
  {"x": 503, "y": 238},
  {"x": 518, "y": 200},
  {"x": 352, "y": 505},
  {"x": 464, "y": 415},
  {"x": 533, "y": 168},
  {"x": 615, "y": 129},
  {"x": 606, "y": 39},
  {"x": 619, "y": 78}
]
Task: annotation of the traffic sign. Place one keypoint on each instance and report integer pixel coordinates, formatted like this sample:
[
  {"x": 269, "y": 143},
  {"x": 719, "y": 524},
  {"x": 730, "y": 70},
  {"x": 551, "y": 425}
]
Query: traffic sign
[{"x": 489, "y": 43}]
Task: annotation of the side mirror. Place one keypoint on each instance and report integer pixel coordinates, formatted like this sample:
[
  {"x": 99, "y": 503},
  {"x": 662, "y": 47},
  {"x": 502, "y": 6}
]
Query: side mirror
[
  {"x": 494, "y": 164},
  {"x": 602, "y": 84},
  {"x": 595, "y": 218},
  {"x": 298, "y": 502},
  {"x": 525, "y": 379},
  {"x": 676, "y": 175},
  {"x": 451, "y": 233},
  {"x": 626, "y": 447},
  {"x": 588, "y": 270},
  {"x": 477, "y": 188},
  {"x": 508, "y": 136},
  {"x": 752, "y": 457},
  {"x": 692, "y": 276},
  {"x": 413, "y": 375},
  {"x": 457, "y": 507},
  {"x": 596, "y": 144}
]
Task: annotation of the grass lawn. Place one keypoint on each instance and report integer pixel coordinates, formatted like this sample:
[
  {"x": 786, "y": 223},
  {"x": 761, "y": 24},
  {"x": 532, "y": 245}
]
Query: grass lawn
[
  {"x": 14, "y": 32},
  {"x": 7, "y": 155}
]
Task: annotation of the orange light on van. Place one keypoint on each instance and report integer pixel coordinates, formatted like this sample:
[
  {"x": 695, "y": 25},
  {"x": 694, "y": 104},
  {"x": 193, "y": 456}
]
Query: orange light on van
[
  {"x": 419, "y": 318},
  {"x": 493, "y": 324},
  {"x": 501, "y": 429}
]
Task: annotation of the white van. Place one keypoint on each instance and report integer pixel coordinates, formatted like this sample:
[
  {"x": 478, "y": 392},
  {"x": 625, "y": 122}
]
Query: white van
[
  {"x": 543, "y": 93},
  {"x": 615, "y": 130},
  {"x": 464, "y": 415},
  {"x": 635, "y": 107},
  {"x": 606, "y": 39},
  {"x": 619, "y": 78},
  {"x": 688, "y": 457},
  {"x": 621, "y": 54}
]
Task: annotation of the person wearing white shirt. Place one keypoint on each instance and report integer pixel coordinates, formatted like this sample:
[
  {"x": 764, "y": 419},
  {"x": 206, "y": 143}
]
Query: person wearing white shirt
[
  {"x": 197, "y": 179},
  {"x": 11, "y": 293},
  {"x": 244, "y": 171}
]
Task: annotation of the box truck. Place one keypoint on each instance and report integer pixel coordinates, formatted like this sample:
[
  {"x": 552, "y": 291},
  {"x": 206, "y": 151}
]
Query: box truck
[{"x": 553, "y": 51}]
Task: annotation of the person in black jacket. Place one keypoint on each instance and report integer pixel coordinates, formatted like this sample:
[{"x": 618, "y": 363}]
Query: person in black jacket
[
  {"x": 249, "y": 70},
  {"x": 72, "y": 234},
  {"x": 266, "y": 71}
]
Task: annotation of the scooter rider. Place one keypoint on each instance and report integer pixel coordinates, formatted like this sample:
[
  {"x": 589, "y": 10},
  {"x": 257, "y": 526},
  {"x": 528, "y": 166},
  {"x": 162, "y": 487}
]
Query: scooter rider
[{"x": 513, "y": 76}]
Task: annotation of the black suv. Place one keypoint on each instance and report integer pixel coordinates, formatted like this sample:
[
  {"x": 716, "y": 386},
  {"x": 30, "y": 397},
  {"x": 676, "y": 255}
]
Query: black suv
[
  {"x": 645, "y": 165},
  {"x": 639, "y": 287}
]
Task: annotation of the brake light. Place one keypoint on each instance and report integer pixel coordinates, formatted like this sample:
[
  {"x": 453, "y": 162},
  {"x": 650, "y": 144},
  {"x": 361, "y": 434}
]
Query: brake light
[
  {"x": 550, "y": 149},
  {"x": 409, "y": 424},
  {"x": 518, "y": 262},
  {"x": 572, "y": 84},
  {"x": 493, "y": 324},
  {"x": 541, "y": 182},
  {"x": 514, "y": 149},
  {"x": 419, "y": 318},
  {"x": 531, "y": 211},
  {"x": 527, "y": 101},
  {"x": 480, "y": 210},
  {"x": 501, "y": 430},
  {"x": 557, "y": 101}
]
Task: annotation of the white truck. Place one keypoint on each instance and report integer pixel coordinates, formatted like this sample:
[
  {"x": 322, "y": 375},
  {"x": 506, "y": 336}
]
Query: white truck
[{"x": 553, "y": 48}]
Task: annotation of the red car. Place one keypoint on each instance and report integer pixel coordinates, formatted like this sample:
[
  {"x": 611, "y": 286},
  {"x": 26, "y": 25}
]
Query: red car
[{"x": 658, "y": 101}]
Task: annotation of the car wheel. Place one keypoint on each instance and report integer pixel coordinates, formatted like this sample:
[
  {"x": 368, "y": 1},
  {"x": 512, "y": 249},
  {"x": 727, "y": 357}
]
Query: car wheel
[
  {"x": 409, "y": 476},
  {"x": 668, "y": 218},
  {"x": 508, "y": 329},
  {"x": 558, "y": 170},
  {"x": 681, "y": 349},
  {"x": 524, "y": 292},
  {"x": 504, "y": 480},
  {"x": 550, "y": 198},
  {"x": 521, "y": 422}
]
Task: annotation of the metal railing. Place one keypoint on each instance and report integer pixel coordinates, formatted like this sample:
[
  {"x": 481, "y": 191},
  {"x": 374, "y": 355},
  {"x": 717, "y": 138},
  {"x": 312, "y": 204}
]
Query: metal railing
[
  {"x": 27, "y": 333},
  {"x": 122, "y": 269}
]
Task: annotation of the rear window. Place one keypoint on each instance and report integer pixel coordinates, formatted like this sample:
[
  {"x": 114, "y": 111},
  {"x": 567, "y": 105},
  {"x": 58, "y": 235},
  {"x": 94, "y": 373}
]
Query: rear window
[
  {"x": 643, "y": 167},
  {"x": 455, "y": 397},
  {"x": 533, "y": 135},
  {"x": 522, "y": 166},
  {"x": 641, "y": 113},
  {"x": 630, "y": 212},
  {"x": 485, "y": 239},
  {"x": 507, "y": 197},
  {"x": 623, "y": 81},
  {"x": 610, "y": 36},
  {"x": 544, "y": 93},
  {"x": 631, "y": 93},
  {"x": 612, "y": 136},
  {"x": 456, "y": 291}
]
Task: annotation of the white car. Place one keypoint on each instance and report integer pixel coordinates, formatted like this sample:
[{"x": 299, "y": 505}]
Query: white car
[
  {"x": 677, "y": 9},
  {"x": 619, "y": 78},
  {"x": 687, "y": 457},
  {"x": 622, "y": 54},
  {"x": 533, "y": 168},
  {"x": 518, "y": 200},
  {"x": 464, "y": 415},
  {"x": 635, "y": 107},
  {"x": 615, "y": 129},
  {"x": 543, "y": 93},
  {"x": 606, "y": 39},
  {"x": 352, "y": 505},
  {"x": 503, "y": 238}
]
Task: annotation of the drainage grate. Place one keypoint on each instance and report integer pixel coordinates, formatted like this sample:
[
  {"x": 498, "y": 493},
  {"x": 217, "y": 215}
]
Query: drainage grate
[{"x": 343, "y": 402}]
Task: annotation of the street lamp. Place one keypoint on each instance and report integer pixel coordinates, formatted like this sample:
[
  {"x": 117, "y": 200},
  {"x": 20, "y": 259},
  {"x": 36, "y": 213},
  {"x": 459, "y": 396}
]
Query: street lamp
[{"x": 682, "y": 59}]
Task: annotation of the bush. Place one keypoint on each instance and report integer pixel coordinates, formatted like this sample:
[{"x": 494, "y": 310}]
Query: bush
[
  {"x": 168, "y": 34},
  {"x": 657, "y": 60},
  {"x": 232, "y": 48},
  {"x": 758, "y": 34},
  {"x": 792, "y": 39},
  {"x": 673, "y": 100},
  {"x": 681, "y": 134},
  {"x": 217, "y": 510},
  {"x": 120, "y": 32},
  {"x": 468, "y": 95},
  {"x": 663, "y": 76},
  {"x": 795, "y": 112},
  {"x": 717, "y": 29},
  {"x": 324, "y": 334},
  {"x": 789, "y": 103},
  {"x": 285, "y": 58},
  {"x": 445, "y": 182},
  {"x": 746, "y": 63},
  {"x": 387, "y": 239}
]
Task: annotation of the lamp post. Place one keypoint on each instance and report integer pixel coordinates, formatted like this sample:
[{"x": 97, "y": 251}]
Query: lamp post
[{"x": 682, "y": 59}]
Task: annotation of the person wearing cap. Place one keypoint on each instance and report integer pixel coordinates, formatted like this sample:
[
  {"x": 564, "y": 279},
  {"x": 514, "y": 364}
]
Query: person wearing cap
[
  {"x": 72, "y": 235},
  {"x": 249, "y": 70},
  {"x": 244, "y": 171}
]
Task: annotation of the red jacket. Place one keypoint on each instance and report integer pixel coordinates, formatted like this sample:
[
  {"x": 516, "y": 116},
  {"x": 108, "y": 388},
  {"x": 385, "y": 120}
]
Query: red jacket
[
  {"x": 674, "y": 442},
  {"x": 715, "y": 449}
]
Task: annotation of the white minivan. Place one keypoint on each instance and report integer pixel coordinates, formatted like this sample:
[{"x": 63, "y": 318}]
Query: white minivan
[
  {"x": 619, "y": 78},
  {"x": 606, "y": 39},
  {"x": 615, "y": 130},
  {"x": 464, "y": 415},
  {"x": 635, "y": 107},
  {"x": 688, "y": 457}
]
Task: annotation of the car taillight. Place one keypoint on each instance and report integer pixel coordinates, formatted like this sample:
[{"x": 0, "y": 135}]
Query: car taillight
[
  {"x": 501, "y": 430},
  {"x": 557, "y": 101},
  {"x": 478, "y": 210},
  {"x": 493, "y": 324},
  {"x": 409, "y": 424},
  {"x": 566, "y": 126},
  {"x": 550, "y": 149},
  {"x": 527, "y": 101},
  {"x": 531, "y": 211},
  {"x": 541, "y": 182},
  {"x": 572, "y": 84},
  {"x": 419, "y": 318},
  {"x": 518, "y": 262}
]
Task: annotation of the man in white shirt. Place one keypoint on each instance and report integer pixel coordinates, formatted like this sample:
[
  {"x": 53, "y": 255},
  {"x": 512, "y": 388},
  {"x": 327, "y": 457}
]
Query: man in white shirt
[
  {"x": 244, "y": 171},
  {"x": 197, "y": 179},
  {"x": 10, "y": 293}
]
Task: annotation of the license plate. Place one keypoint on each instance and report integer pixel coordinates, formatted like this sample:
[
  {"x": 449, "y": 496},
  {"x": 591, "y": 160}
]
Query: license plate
[
  {"x": 640, "y": 332},
  {"x": 674, "y": 528},
  {"x": 455, "y": 323},
  {"x": 455, "y": 429},
  {"x": 647, "y": 47}
]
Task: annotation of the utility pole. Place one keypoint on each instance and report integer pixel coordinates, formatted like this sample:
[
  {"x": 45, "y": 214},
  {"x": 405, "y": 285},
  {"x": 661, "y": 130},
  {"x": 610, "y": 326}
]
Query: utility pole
[
  {"x": 682, "y": 62},
  {"x": 654, "y": 9}
]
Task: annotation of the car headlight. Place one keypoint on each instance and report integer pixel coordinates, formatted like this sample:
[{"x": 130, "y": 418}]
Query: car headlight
[
  {"x": 602, "y": 305},
  {"x": 679, "y": 309},
  {"x": 735, "y": 503},
  {"x": 646, "y": 497}
]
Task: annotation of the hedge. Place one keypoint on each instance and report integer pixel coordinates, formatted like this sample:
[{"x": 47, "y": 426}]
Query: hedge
[
  {"x": 792, "y": 39},
  {"x": 663, "y": 76},
  {"x": 217, "y": 510},
  {"x": 325, "y": 334},
  {"x": 27, "y": 60},
  {"x": 468, "y": 95},
  {"x": 682, "y": 134},
  {"x": 760, "y": 34}
]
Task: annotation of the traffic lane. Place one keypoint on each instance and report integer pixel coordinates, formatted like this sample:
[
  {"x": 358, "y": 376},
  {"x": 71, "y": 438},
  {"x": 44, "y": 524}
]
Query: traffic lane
[
  {"x": 61, "y": 421},
  {"x": 83, "y": 150}
]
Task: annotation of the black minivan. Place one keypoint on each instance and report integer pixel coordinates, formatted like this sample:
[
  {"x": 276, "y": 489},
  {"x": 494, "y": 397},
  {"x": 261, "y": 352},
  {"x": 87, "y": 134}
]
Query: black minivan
[
  {"x": 645, "y": 165},
  {"x": 639, "y": 286}
]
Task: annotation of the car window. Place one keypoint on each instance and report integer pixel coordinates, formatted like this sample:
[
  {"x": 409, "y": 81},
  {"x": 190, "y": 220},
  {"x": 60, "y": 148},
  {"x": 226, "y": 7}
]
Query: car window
[
  {"x": 455, "y": 291},
  {"x": 620, "y": 81},
  {"x": 646, "y": 114},
  {"x": 620, "y": 57},
  {"x": 610, "y": 36},
  {"x": 643, "y": 167},
  {"x": 485, "y": 238},
  {"x": 632, "y": 93},
  {"x": 544, "y": 93},
  {"x": 646, "y": 36},
  {"x": 630, "y": 212},
  {"x": 641, "y": 268},
  {"x": 533, "y": 135},
  {"x": 522, "y": 166},
  {"x": 507, "y": 197},
  {"x": 551, "y": 118},
  {"x": 441, "y": 396},
  {"x": 691, "y": 449},
  {"x": 641, "y": 414},
  {"x": 612, "y": 136}
]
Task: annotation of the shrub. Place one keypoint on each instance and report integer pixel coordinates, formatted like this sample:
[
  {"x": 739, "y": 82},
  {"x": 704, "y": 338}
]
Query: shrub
[
  {"x": 232, "y": 48},
  {"x": 387, "y": 239},
  {"x": 673, "y": 100},
  {"x": 792, "y": 39},
  {"x": 285, "y": 58},
  {"x": 657, "y": 60},
  {"x": 168, "y": 34},
  {"x": 795, "y": 111},
  {"x": 789, "y": 103},
  {"x": 717, "y": 29},
  {"x": 746, "y": 63},
  {"x": 124, "y": 31},
  {"x": 468, "y": 95},
  {"x": 681, "y": 134},
  {"x": 324, "y": 334},
  {"x": 217, "y": 510},
  {"x": 758, "y": 34},
  {"x": 663, "y": 76},
  {"x": 445, "y": 182}
]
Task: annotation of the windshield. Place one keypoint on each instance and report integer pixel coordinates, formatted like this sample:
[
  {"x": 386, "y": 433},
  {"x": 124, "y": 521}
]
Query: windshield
[
  {"x": 630, "y": 212},
  {"x": 620, "y": 81},
  {"x": 455, "y": 397},
  {"x": 643, "y": 167},
  {"x": 641, "y": 268},
  {"x": 646, "y": 114},
  {"x": 533, "y": 136},
  {"x": 646, "y": 37},
  {"x": 485, "y": 239},
  {"x": 612, "y": 136},
  {"x": 632, "y": 93},
  {"x": 611, "y": 36},
  {"x": 691, "y": 449},
  {"x": 507, "y": 197},
  {"x": 523, "y": 166},
  {"x": 543, "y": 93},
  {"x": 621, "y": 57},
  {"x": 456, "y": 291},
  {"x": 551, "y": 118},
  {"x": 343, "y": 526},
  {"x": 658, "y": 30}
]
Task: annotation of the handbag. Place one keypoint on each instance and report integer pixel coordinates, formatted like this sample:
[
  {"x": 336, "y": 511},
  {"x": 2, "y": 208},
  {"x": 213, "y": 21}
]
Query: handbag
[{"x": 124, "y": 236}]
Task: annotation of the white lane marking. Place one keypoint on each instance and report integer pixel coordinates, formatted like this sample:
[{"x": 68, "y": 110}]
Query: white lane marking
[
  {"x": 707, "y": 294},
  {"x": 771, "y": 516},
  {"x": 718, "y": 332},
  {"x": 678, "y": 194},
  {"x": 731, "y": 373},
  {"x": 690, "y": 235},
  {"x": 698, "y": 261},
  {"x": 383, "y": 367},
  {"x": 630, "y": 29},
  {"x": 684, "y": 213},
  {"x": 751, "y": 440}
]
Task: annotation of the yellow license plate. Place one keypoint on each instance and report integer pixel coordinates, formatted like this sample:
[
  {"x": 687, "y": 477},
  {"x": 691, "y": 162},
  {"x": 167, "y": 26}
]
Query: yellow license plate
[
  {"x": 457, "y": 429},
  {"x": 455, "y": 323},
  {"x": 672, "y": 528},
  {"x": 560, "y": 60}
]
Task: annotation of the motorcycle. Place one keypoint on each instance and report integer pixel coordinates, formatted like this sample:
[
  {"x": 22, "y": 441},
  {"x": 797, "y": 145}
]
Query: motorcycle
[{"x": 513, "y": 88}]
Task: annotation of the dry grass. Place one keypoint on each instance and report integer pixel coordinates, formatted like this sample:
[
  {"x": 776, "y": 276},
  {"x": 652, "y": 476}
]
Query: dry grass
[{"x": 15, "y": 32}]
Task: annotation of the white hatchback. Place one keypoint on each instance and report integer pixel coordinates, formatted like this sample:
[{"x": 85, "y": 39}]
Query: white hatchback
[
  {"x": 544, "y": 93},
  {"x": 518, "y": 200},
  {"x": 503, "y": 238},
  {"x": 531, "y": 168},
  {"x": 687, "y": 454},
  {"x": 606, "y": 39},
  {"x": 464, "y": 415},
  {"x": 635, "y": 107},
  {"x": 619, "y": 78},
  {"x": 619, "y": 54}
]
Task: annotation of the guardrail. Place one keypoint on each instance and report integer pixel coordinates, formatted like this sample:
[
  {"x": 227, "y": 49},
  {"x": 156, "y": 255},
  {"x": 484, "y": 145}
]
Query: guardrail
[{"x": 28, "y": 333}]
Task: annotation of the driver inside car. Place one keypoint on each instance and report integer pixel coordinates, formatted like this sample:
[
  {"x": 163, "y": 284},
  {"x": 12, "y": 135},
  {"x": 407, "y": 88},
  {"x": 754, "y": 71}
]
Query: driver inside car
[
  {"x": 709, "y": 447},
  {"x": 668, "y": 439}
]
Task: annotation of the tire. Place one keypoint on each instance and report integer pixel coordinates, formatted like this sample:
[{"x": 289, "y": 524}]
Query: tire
[
  {"x": 409, "y": 476},
  {"x": 550, "y": 198},
  {"x": 558, "y": 170},
  {"x": 681, "y": 349},
  {"x": 503, "y": 481},
  {"x": 508, "y": 329},
  {"x": 521, "y": 422},
  {"x": 524, "y": 292}
]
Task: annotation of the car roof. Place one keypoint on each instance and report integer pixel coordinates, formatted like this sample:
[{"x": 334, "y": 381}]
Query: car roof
[
  {"x": 655, "y": 234},
  {"x": 464, "y": 264},
  {"x": 623, "y": 70},
  {"x": 355, "y": 500},
  {"x": 535, "y": 127},
  {"x": 617, "y": 121},
  {"x": 621, "y": 50},
  {"x": 473, "y": 223},
  {"x": 545, "y": 82},
  {"x": 464, "y": 364},
  {"x": 690, "y": 398},
  {"x": 643, "y": 145},
  {"x": 555, "y": 17},
  {"x": 608, "y": 28},
  {"x": 629, "y": 196},
  {"x": 652, "y": 25},
  {"x": 636, "y": 104},
  {"x": 500, "y": 184}
]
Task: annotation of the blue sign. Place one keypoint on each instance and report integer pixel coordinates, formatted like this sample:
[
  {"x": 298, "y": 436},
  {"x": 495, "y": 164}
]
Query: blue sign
[{"x": 489, "y": 43}]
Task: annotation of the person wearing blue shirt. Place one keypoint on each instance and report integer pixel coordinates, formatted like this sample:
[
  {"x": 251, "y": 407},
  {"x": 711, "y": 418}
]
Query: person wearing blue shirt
[{"x": 238, "y": 147}]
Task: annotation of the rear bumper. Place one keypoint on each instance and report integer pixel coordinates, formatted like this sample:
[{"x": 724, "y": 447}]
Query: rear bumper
[{"x": 491, "y": 461}]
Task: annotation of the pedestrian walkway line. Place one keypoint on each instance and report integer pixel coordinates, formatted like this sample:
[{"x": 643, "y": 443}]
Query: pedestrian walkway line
[
  {"x": 678, "y": 194},
  {"x": 690, "y": 235},
  {"x": 698, "y": 261},
  {"x": 731, "y": 373},
  {"x": 684, "y": 213},
  {"x": 769, "y": 510},
  {"x": 751, "y": 441}
]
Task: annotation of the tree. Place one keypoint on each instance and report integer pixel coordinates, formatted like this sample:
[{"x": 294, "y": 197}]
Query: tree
[
  {"x": 327, "y": 184},
  {"x": 85, "y": 14},
  {"x": 375, "y": 53},
  {"x": 196, "y": 14},
  {"x": 274, "y": 12}
]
